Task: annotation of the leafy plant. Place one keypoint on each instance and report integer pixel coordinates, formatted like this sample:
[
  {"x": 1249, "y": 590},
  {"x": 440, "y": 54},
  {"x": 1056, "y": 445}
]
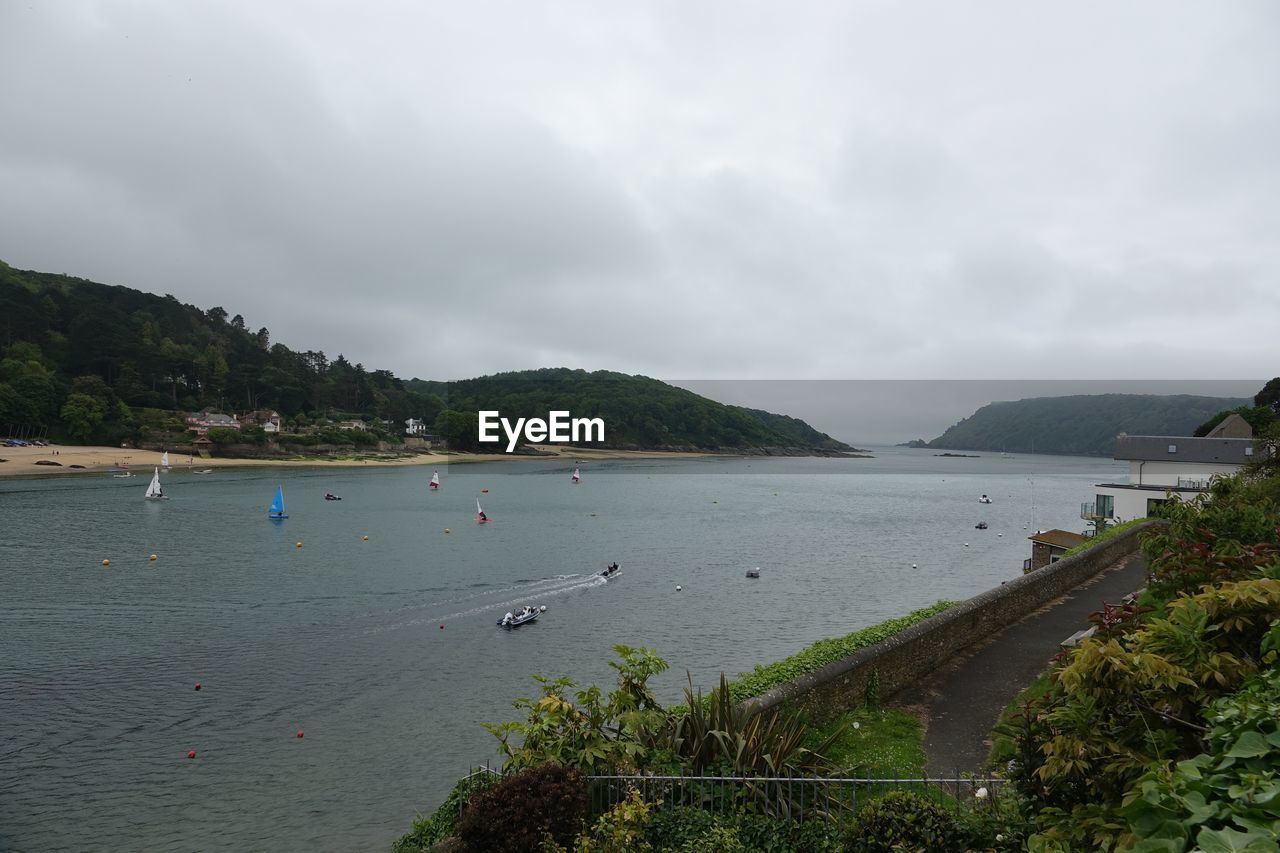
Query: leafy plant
[
  {"x": 593, "y": 732},
  {"x": 521, "y": 811},
  {"x": 1227, "y": 798},
  {"x": 903, "y": 820},
  {"x": 720, "y": 734}
]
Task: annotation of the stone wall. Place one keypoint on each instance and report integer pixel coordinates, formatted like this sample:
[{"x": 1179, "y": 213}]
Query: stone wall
[{"x": 912, "y": 654}]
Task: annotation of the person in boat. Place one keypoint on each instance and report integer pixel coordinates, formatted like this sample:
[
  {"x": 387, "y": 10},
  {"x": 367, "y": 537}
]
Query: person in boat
[{"x": 483, "y": 517}]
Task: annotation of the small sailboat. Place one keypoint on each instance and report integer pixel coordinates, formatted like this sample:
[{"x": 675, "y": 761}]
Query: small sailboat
[
  {"x": 481, "y": 518},
  {"x": 154, "y": 491},
  {"x": 276, "y": 510},
  {"x": 435, "y": 480},
  {"x": 577, "y": 477},
  {"x": 164, "y": 460},
  {"x": 984, "y": 500}
]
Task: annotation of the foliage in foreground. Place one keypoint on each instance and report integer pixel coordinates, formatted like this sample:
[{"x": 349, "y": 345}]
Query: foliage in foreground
[
  {"x": 1127, "y": 703},
  {"x": 1227, "y": 798},
  {"x": 523, "y": 810}
]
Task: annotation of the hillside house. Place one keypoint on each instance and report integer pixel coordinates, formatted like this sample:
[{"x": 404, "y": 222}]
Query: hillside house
[
  {"x": 1165, "y": 467},
  {"x": 201, "y": 422}
]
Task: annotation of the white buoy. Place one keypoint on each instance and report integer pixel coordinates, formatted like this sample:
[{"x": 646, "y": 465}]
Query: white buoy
[
  {"x": 543, "y": 608},
  {"x": 914, "y": 566},
  {"x": 966, "y": 544},
  {"x": 678, "y": 587},
  {"x": 999, "y": 534}
]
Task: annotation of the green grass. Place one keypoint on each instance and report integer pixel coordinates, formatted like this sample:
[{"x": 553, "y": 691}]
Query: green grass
[
  {"x": 1003, "y": 747},
  {"x": 876, "y": 744}
]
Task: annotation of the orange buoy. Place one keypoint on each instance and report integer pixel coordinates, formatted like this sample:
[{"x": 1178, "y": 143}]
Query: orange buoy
[
  {"x": 299, "y": 732},
  {"x": 198, "y": 685},
  {"x": 106, "y": 562},
  {"x": 153, "y": 558},
  {"x": 299, "y": 545},
  {"x": 191, "y": 754}
]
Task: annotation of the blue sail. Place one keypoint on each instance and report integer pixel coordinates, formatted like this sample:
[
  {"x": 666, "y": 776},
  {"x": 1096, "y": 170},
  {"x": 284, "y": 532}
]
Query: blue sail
[{"x": 277, "y": 505}]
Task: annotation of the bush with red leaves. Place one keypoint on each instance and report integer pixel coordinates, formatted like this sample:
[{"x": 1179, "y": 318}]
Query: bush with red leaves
[{"x": 519, "y": 812}]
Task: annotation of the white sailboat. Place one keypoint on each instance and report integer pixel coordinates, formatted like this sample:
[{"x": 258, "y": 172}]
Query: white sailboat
[
  {"x": 154, "y": 491},
  {"x": 481, "y": 518},
  {"x": 164, "y": 460},
  {"x": 435, "y": 480},
  {"x": 577, "y": 477}
]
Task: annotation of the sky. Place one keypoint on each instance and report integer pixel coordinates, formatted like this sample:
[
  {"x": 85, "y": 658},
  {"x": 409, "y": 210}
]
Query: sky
[{"x": 702, "y": 191}]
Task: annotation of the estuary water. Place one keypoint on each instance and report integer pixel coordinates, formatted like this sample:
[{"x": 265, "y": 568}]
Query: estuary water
[{"x": 384, "y": 651}]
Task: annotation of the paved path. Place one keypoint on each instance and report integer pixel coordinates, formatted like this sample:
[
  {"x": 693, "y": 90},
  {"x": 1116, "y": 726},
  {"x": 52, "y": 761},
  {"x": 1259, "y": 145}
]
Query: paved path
[{"x": 962, "y": 701}]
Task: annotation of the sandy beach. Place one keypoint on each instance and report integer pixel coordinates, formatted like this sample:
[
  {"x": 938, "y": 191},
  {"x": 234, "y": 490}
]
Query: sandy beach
[{"x": 33, "y": 461}]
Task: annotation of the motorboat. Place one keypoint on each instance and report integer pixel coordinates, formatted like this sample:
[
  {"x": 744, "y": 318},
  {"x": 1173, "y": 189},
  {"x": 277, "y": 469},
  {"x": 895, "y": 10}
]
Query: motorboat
[
  {"x": 611, "y": 571},
  {"x": 984, "y": 500},
  {"x": 522, "y": 616},
  {"x": 753, "y": 573},
  {"x": 330, "y": 496},
  {"x": 981, "y": 525}
]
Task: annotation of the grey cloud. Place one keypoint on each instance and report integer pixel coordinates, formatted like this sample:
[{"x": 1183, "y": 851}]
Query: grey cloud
[{"x": 847, "y": 190}]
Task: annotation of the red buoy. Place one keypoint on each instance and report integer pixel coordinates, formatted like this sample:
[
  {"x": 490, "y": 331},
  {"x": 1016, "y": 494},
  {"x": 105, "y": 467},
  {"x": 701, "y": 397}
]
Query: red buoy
[
  {"x": 441, "y": 627},
  {"x": 191, "y": 754},
  {"x": 197, "y": 685},
  {"x": 299, "y": 732}
]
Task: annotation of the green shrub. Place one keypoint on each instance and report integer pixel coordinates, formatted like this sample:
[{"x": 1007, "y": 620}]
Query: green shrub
[
  {"x": 1000, "y": 823},
  {"x": 905, "y": 820},
  {"x": 521, "y": 811},
  {"x": 1103, "y": 535},
  {"x": 684, "y": 828},
  {"x": 1227, "y": 798}
]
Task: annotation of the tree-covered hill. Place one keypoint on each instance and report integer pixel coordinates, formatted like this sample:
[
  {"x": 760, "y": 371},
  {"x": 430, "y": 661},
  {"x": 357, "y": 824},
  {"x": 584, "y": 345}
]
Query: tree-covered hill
[
  {"x": 90, "y": 362},
  {"x": 78, "y": 360},
  {"x": 1085, "y": 424},
  {"x": 638, "y": 412}
]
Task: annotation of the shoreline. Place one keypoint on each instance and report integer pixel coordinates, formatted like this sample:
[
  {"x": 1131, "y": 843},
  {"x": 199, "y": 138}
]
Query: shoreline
[{"x": 23, "y": 461}]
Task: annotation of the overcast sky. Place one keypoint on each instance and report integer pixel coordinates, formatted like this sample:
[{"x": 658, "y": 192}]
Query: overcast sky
[{"x": 925, "y": 190}]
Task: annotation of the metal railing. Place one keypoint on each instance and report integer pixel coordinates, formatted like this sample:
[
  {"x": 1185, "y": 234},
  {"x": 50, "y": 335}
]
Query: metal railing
[{"x": 794, "y": 797}]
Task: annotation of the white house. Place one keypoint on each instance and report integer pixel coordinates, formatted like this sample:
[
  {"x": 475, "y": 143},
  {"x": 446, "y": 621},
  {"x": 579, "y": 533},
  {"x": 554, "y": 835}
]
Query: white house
[
  {"x": 1168, "y": 466},
  {"x": 413, "y": 426}
]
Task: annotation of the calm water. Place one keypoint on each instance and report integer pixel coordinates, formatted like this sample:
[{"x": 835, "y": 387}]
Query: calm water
[{"x": 342, "y": 637}]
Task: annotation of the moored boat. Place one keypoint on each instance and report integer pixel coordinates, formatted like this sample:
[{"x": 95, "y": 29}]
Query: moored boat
[{"x": 523, "y": 616}]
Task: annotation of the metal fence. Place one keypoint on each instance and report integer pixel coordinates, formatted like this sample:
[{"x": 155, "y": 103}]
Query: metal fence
[{"x": 793, "y": 797}]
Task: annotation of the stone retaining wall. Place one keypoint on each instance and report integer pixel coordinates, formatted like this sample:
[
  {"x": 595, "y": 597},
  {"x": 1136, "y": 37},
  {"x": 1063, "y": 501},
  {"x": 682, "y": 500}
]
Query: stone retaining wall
[{"x": 912, "y": 654}]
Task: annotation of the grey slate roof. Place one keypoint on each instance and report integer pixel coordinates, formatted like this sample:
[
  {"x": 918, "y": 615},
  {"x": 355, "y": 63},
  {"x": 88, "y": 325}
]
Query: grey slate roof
[{"x": 1155, "y": 448}]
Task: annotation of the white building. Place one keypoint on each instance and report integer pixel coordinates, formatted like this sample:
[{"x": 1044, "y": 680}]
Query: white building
[{"x": 1164, "y": 467}]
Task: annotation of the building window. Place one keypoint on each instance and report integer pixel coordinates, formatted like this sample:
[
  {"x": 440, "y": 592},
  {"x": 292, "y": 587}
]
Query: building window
[
  {"x": 1248, "y": 451},
  {"x": 1155, "y": 503},
  {"x": 1106, "y": 506},
  {"x": 1173, "y": 448}
]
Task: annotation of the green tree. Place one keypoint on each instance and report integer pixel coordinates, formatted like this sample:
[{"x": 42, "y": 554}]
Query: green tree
[{"x": 82, "y": 415}]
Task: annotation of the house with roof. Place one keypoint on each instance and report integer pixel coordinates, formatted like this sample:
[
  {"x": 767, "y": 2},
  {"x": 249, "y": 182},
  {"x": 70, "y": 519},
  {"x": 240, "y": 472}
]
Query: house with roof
[
  {"x": 1048, "y": 546},
  {"x": 265, "y": 418},
  {"x": 1170, "y": 467},
  {"x": 201, "y": 422}
]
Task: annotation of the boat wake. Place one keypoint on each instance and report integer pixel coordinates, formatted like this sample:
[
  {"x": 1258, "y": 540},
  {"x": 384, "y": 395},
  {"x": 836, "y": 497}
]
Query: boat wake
[{"x": 497, "y": 599}]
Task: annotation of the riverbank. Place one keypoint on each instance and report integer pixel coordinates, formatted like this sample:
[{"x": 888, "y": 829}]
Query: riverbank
[{"x": 63, "y": 459}]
